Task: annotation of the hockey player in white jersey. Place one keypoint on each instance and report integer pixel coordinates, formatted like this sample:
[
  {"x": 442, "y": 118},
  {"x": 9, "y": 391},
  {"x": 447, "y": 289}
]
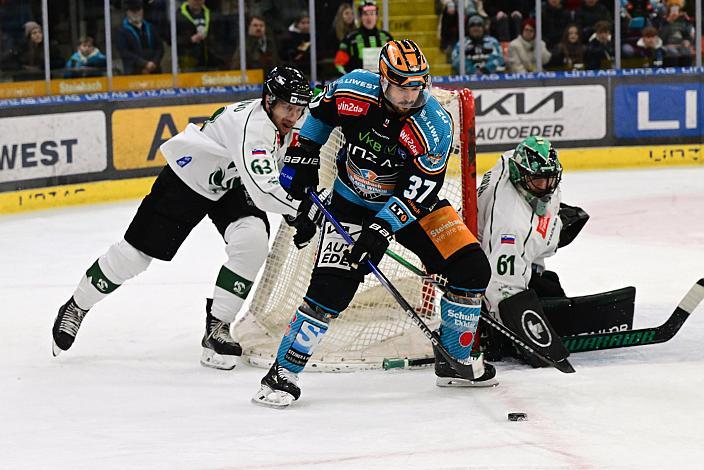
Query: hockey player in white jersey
[
  {"x": 519, "y": 201},
  {"x": 226, "y": 169},
  {"x": 522, "y": 221}
]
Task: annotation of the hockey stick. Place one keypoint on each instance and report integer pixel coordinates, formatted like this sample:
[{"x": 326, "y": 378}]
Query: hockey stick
[
  {"x": 466, "y": 371},
  {"x": 641, "y": 337},
  {"x": 562, "y": 365}
]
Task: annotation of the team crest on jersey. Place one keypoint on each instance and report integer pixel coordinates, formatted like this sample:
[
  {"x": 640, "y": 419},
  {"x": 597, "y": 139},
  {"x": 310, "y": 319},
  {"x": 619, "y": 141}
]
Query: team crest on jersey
[
  {"x": 368, "y": 184},
  {"x": 183, "y": 161},
  {"x": 351, "y": 107}
]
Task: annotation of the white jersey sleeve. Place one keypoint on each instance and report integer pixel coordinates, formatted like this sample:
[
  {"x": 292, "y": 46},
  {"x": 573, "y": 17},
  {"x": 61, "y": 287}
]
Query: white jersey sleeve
[
  {"x": 513, "y": 237},
  {"x": 238, "y": 145}
]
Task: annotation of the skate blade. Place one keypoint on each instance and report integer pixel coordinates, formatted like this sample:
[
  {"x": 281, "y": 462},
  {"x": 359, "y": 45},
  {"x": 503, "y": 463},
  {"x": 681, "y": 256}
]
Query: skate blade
[
  {"x": 210, "y": 358},
  {"x": 55, "y": 349},
  {"x": 270, "y": 398},
  {"x": 464, "y": 383}
]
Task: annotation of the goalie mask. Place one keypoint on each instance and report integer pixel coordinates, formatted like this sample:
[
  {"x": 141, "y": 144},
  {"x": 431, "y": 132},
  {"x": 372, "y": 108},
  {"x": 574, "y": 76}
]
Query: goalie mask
[
  {"x": 405, "y": 78},
  {"x": 535, "y": 169}
]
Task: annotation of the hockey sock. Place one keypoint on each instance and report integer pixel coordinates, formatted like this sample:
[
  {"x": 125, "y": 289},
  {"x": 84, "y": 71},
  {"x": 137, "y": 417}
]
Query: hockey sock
[
  {"x": 304, "y": 332},
  {"x": 120, "y": 263},
  {"x": 459, "y": 319},
  {"x": 247, "y": 247},
  {"x": 229, "y": 295}
]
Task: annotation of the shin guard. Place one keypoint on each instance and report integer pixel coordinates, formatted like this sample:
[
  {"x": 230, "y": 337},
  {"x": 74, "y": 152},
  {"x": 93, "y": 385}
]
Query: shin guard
[
  {"x": 460, "y": 317},
  {"x": 304, "y": 332}
]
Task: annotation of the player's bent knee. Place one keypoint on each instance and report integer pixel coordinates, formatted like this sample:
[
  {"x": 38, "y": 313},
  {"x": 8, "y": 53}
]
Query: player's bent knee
[
  {"x": 331, "y": 293},
  {"x": 123, "y": 261},
  {"x": 470, "y": 270},
  {"x": 247, "y": 238}
]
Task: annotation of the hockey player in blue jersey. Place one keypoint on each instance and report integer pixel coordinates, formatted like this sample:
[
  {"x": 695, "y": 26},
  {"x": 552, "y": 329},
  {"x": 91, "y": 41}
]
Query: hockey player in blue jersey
[{"x": 389, "y": 174}]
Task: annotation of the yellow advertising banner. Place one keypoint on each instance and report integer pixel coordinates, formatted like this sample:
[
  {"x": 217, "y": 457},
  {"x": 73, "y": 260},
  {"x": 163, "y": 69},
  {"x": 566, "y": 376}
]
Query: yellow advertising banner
[
  {"x": 79, "y": 85},
  {"x": 138, "y": 133},
  {"x": 604, "y": 158},
  {"x": 142, "y": 82},
  {"x": 22, "y": 89},
  {"x": 219, "y": 78}
]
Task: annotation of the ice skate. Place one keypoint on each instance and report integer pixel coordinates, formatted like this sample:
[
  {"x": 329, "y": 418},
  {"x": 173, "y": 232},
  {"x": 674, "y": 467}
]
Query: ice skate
[
  {"x": 278, "y": 388},
  {"x": 447, "y": 377},
  {"x": 220, "y": 351},
  {"x": 66, "y": 326}
]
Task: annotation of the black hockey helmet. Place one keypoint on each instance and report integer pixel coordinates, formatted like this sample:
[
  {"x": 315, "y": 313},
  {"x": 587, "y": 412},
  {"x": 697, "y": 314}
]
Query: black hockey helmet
[{"x": 286, "y": 84}]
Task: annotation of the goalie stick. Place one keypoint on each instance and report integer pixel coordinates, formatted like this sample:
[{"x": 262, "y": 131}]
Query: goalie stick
[
  {"x": 643, "y": 336},
  {"x": 466, "y": 371},
  {"x": 562, "y": 365}
]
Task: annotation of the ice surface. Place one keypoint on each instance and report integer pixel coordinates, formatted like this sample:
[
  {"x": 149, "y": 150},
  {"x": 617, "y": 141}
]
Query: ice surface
[{"x": 131, "y": 392}]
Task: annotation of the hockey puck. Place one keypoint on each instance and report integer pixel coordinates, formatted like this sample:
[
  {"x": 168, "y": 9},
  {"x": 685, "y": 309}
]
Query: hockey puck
[{"x": 517, "y": 416}]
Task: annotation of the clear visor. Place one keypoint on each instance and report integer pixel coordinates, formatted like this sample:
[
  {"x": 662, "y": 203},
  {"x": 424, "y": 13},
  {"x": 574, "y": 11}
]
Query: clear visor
[{"x": 405, "y": 98}]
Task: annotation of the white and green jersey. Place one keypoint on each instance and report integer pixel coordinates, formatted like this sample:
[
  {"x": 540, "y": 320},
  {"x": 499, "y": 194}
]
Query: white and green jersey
[
  {"x": 512, "y": 235},
  {"x": 238, "y": 145}
]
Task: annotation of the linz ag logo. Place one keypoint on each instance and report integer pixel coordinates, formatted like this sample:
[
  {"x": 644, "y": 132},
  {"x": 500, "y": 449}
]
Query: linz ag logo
[
  {"x": 350, "y": 107},
  {"x": 410, "y": 141}
]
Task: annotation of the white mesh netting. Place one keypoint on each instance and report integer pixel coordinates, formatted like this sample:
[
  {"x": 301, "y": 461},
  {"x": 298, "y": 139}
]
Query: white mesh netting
[{"x": 373, "y": 327}]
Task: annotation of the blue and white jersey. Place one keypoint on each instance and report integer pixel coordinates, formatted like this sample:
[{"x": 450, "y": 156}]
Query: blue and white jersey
[{"x": 392, "y": 165}]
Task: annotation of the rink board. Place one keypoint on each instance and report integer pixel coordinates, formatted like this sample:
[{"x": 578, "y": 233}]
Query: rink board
[{"x": 573, "y": 159}]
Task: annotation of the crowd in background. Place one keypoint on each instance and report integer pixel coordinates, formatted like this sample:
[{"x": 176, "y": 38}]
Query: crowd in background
[
  {"x": 576, "y": 34},
  {"x": 499, "y": 36}
]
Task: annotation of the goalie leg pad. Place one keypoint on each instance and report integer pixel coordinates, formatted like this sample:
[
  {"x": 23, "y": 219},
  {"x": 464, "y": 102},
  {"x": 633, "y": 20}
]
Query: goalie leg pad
[
  {"x": 597, "y": 313},
  {"x": 304, "y": 332},
  {"x": 524, "y": 315}
]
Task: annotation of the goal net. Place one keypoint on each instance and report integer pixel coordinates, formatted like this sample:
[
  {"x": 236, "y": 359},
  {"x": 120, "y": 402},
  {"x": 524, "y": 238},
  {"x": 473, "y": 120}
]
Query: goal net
[{"x": 373, "y": 327}]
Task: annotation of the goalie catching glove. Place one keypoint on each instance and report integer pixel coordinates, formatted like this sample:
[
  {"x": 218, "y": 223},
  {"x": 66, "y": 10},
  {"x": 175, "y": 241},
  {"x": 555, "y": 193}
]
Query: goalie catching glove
[
  {"x": 373, "y": 241},
  {"x": 308, "y": 218},
  {"x": 300, "y": 171}
]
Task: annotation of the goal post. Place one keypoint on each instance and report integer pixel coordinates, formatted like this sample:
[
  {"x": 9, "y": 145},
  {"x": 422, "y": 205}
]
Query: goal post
[{"x": 373, "y": 327}]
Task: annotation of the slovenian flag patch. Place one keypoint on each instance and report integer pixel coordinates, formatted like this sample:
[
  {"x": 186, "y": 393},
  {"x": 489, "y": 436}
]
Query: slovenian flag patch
[
  {"x": 258, "y": 152},
  {"x": 508, "y": 239}
]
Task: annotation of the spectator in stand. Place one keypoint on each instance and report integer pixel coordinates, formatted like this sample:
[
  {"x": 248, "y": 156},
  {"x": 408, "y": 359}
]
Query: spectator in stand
[
  {"x": 197, "y": 48},
  {"x": 448, "y": 28},
  {"x": 342, "y": 25},
  {"x": 507, "y": 16},
  {"x": 482, "y": 52},
  {"x": 677, "y": 34},
  {"x": 295, "y": 44},
  {"x": 138, "y": 42},
  {"x": 588, "y": 15},
  {"x": 31, "y": 55},
  {"x": 569, "y": 53},
  {"x": 261, "y": 51},
  {"x": 521, "y": 51},
  {"x": 555, "y": 21},
  {"x": 649, "y": 49},
  {"x": 87, "y": 61},
  {"x": 351, "y": 52},
  {"x": 600, "y": 49}
]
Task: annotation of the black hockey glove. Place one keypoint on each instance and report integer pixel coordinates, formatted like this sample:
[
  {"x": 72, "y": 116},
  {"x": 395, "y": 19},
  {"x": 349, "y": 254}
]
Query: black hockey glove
[
  {"x": 573, "y": 219},
  {"x": 371, "y": 244},
  {"x": 300, "y": 171},
  {"x": 308, "y": 218}
]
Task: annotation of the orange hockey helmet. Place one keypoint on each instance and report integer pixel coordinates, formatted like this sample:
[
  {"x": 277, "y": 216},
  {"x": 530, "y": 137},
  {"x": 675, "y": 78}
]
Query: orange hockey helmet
[{"x": 402, "y": 64}]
